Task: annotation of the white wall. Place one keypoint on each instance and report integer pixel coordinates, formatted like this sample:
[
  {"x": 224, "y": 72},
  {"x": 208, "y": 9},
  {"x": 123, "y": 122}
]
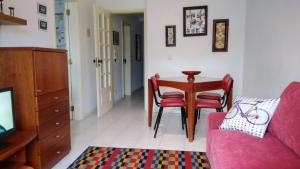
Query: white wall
[
  {"x": 195, "y": 53},
  {"x": 137, "y": 72},
  {"x": 122, "y": 5},
  {"x": 272, "y": 47},
  {"x": 28, "y": 35}
]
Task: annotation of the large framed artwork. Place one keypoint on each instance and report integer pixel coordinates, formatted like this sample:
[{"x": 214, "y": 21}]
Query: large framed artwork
[
  {"x": 220, "y": 35},
  {"x": 170, "y": 35},
  {"x": 195, "y": 21}
]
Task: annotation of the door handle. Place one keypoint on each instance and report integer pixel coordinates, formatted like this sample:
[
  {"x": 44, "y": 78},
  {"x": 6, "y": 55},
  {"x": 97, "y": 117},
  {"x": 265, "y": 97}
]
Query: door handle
[
  {"x": 124, "y": 61},
  {"x": 100, "y": 61}
]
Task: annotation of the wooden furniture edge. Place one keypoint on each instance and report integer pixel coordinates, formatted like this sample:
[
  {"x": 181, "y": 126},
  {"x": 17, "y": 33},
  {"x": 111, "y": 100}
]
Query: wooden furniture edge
[
  {"x": 34, "y": 49},
  {"x": 11, "y": 20}
]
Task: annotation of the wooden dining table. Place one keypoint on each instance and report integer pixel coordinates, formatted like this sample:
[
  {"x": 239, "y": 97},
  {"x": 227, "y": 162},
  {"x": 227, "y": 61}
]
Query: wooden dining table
[{"x": 190, "y": 86}]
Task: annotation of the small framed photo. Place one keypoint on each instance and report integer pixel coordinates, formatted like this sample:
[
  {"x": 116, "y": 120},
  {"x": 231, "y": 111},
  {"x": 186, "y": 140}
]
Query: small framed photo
[
  {"x": 220, "y": 35},
  {"x": 170, "y": 35},
  {"x": 138, "y": 49},
  {"x": 116, "y": 40},
  {"x": 43, "y": 25},
  {"x": 42, "y": 9},
  {"x": 195, "y": 21}
]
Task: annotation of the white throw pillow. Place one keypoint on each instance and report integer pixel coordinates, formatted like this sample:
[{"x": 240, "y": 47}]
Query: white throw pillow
[{"x": 250, "y": 115}]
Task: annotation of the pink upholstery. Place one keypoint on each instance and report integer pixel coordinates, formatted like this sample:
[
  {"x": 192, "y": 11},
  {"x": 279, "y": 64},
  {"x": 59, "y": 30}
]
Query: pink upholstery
[
  {"x": 172, "y": 103},
  {"x": 278, "y": 149},
  {"x": 205, "y": 103},
  {"x": 209, "y": 95},
  {"x": 285, "y": 124},
  {"x": 177, "y": 95}
]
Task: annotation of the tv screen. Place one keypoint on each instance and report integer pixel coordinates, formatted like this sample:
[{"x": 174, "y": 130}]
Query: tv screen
[{"x": 7, "y": 124}]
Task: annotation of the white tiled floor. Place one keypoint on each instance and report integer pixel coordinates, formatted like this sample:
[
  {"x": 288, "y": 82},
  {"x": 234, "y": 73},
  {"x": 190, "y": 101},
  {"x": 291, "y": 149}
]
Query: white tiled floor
[{"x": 125, "y": 126}]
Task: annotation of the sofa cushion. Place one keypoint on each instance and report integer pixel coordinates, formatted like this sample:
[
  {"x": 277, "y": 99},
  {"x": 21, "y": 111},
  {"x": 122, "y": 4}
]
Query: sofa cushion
[
  {"x": 285, "y": 124},
  {"x": 232, "y": 149}
]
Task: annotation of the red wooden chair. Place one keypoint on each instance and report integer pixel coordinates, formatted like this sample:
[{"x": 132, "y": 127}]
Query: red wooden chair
[
  {"x": 171, "y": 94},
  {"x": 164, "y": 103},
  {"x": 217, "y": 104}
]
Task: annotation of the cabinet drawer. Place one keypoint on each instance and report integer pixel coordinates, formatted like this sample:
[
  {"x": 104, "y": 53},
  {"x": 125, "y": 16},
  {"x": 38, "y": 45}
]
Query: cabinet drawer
[
  {"x": 53, "y": 125},
  {"x": 54, "y": 138},
  {"x": 53, "y": 111},
  {"x": 52, "y": 99},
  {"x": 55, "y": 153}
]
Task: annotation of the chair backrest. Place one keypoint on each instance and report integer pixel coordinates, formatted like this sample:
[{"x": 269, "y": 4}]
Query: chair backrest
[
  {"x": 154, "y": 88},
  {"x": 157, "y": 75},
  {"x": 227, "y": 86},
  {"x": 157, "y": 78}
]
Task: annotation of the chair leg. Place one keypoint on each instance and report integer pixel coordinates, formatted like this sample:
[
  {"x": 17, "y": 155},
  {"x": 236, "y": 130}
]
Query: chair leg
[
  {"x": 158, "y": 120},
  {"x": 199, "y": 111},
  {"x": 182, "y": 117},
  {"x": 185, "y": 122}
]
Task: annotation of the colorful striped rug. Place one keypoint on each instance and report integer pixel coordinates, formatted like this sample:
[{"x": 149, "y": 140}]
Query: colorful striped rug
[{"x": 127, "y": 158}]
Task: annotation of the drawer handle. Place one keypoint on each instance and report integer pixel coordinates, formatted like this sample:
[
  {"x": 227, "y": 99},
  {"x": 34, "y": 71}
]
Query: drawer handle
[
  {"x": 58, "y": 152},
  {"x": 56, "y": 110},
  {"x": 57, "y": 136},
  {"x": 57, "y": 123},
  {"x": 55, "y": 98},
  {"x": 39, "y": 91}
]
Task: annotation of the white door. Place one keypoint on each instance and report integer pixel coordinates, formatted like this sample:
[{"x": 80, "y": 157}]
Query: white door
[{"x": 103, "y": 59}]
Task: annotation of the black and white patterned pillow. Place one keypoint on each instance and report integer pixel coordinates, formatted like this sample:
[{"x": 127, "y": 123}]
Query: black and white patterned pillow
[{"x": 250, "y": 115}]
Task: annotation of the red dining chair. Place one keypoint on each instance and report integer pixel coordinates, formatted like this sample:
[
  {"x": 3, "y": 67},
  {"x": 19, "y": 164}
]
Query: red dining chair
[
  {"x": 219, "y": 105},
  {"x": 211, "y": 98},
  {"x": 214, "y": 96},
  {"x": 171, "y": 94},
  {"x": 165, "y": 103}
]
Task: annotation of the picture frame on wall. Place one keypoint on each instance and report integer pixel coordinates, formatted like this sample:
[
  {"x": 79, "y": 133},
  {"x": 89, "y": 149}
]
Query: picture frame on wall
[
  {"x": 195, "y": 21},
  {"x": 43, "y": 25},
  {"x": 42, "y": 9},
  {"x": 138, "y": 45},
  {"x": 171, "y": 36},
  {"x": 116, "y": 39},
  {"x": 220, "y": 35}
]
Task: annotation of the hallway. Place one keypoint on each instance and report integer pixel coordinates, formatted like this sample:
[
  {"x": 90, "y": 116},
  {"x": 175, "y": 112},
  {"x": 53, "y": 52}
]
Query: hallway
[{"x": 125, "y": 126}]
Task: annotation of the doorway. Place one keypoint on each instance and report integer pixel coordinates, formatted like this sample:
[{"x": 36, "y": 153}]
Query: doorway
[
  {"x": 128, "y": 65},
  {"x": 68, "y": 39}
]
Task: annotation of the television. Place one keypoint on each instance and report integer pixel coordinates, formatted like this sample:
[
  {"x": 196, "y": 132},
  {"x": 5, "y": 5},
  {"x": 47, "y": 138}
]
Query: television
[{"x": 7, "y": 114}]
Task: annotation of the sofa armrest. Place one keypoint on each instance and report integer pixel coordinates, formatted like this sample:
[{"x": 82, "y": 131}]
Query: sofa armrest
[{"x": 215, "y": 120}]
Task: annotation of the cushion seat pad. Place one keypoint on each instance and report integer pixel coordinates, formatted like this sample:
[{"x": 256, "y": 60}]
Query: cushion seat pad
[
  {"x": 209, "y": 95},
  {"x": 167, "y": 95},
  {"x": 206, "y": 103},
  {"x": 172, "y": 103},
  {"x": 232, "y": 149}
]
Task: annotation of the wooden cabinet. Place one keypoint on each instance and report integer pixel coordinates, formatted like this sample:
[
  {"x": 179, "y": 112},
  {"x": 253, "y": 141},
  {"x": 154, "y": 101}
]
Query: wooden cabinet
[{"x": 40, "y": 80}]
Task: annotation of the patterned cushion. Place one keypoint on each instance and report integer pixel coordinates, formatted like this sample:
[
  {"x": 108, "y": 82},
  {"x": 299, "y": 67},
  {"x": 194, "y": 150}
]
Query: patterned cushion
[{"x": 250, "y": 115}]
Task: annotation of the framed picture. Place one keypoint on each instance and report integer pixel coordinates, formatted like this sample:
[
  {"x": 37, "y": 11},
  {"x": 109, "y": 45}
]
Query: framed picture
[
  {"x": 220, "y": 35},
  {"x": 42, "y": 9},
  {"x": 43, "y": 25},
  {"x": 195, "y": 21},
  {"x": 116, "y": 40},
  {"x": 170, "y": 35},
  {"x": 138, "y": 49}
]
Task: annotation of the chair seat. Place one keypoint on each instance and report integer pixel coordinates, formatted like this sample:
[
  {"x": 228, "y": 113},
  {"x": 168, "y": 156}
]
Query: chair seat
[
  {"x": 209, "y": 95},
  {"x": 206, "y": 103},
  {"x": 172, "y": 103},
  {"x": 177, "y": 95}
]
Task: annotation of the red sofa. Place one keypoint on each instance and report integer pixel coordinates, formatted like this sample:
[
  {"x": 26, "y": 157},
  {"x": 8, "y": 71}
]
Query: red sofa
[{"x": 279, "y": 149}]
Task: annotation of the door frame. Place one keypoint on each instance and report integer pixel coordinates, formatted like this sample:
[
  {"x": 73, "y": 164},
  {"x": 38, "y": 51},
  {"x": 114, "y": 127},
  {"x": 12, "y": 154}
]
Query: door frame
[{"x": 126, "y": 76}]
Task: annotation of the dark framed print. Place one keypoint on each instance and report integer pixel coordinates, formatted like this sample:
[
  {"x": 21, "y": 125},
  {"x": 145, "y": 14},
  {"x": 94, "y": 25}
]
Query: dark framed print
[
  {"x": 195, "y": 21},
  {"x": 43, "y": 25},
  {"x": 116, "y": 40},
  {"x": 42, "y": 9},
  {"x": 220, "y": 35},
  {"x": 138, "y": 45},
  {"x": 170, "y": 35}
]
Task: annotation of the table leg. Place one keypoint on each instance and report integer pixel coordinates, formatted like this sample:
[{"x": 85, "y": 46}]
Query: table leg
[
  {"x": 191, "y": 111},
  {"x": 150, "y": 103}
]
